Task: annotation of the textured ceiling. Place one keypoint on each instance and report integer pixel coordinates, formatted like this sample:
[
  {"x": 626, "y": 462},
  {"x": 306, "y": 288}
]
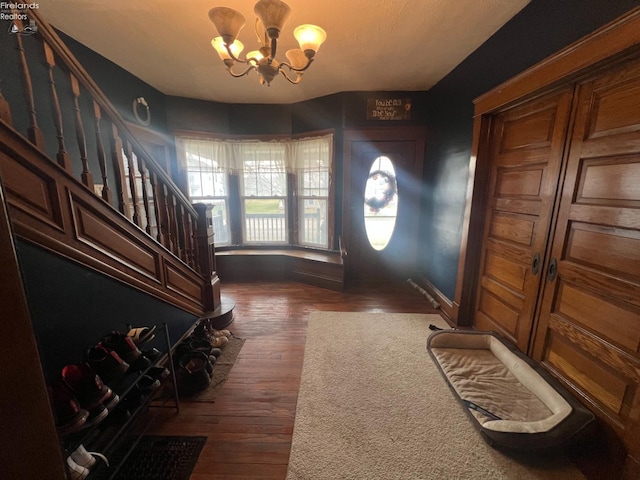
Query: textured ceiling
[{"x": 372, "y": 45}]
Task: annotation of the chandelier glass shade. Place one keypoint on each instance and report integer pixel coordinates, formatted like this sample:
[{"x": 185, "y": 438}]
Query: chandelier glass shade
[{"x": 271, "y": 18}]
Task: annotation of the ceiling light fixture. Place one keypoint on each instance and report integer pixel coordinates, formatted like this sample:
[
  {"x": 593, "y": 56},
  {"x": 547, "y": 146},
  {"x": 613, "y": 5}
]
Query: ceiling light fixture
[{"x": 272, "y": 15}]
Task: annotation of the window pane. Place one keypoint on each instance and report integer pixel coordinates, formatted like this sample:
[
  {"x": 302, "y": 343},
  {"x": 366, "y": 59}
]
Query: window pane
[
  {"x": 313, "y": 224},
  {"x": 265, "y": 220},
  {"x": 195, "y": 185},
  {"x": 220, "y": 221},
  {"x": 264, "y": 179}
]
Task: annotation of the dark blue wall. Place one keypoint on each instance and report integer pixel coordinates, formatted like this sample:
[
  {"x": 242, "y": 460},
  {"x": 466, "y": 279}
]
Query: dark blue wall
[
  {"x": 72, "y": 308},
  {"x": 119, "y": 86},
  {"x": 542, "y": 28}
]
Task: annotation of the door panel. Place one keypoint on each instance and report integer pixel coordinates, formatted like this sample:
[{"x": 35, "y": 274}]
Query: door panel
[
  {"x": 526, "y": 149},
  {"x": 364, "y": 264},
  {"x": 589, "y": 328}
]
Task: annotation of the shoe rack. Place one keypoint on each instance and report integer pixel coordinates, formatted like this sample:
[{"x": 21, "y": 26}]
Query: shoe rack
[{"x": 112, "y": 439}]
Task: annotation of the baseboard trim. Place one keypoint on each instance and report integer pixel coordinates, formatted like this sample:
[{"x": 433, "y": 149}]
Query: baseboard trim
[{"x": 446, "y": 305}]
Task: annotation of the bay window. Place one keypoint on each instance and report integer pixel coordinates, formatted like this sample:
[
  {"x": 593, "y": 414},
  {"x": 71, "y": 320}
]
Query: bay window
[{"x": 265, "y": 192}]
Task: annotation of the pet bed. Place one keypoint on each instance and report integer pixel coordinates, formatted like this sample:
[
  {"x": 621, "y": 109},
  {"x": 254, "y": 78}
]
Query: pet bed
[{"x": 514, "y": 403}]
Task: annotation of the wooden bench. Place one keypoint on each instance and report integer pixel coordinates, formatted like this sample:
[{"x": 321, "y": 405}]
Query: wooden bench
[{"x": 314, "y": 267}]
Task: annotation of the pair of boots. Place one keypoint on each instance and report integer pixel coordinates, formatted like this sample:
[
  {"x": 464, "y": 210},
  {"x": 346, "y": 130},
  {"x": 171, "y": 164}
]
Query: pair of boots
[{"x": 195, "y": 358}]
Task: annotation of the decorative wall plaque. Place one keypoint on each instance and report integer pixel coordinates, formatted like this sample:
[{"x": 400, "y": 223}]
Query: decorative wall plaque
[{"x": 388, "y": 109}]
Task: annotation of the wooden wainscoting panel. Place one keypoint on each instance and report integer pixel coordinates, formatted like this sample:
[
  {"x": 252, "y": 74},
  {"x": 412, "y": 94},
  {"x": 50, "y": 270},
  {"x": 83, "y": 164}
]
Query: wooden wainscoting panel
[
  {"x": 32, "y": 191},
  {"x": 101, "y": 234},
  {"x": 51, "y": 209},
  {"x": 182, "y": 281}
]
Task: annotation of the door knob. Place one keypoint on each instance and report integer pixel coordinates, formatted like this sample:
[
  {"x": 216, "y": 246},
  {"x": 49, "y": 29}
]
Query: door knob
[
  {"x": 553, "y": 270},
  {"x": 535, "y": 264}
]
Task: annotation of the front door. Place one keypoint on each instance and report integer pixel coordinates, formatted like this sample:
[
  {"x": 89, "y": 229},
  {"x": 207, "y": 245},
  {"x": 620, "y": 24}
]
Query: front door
[{"x": 383, "y": 170}]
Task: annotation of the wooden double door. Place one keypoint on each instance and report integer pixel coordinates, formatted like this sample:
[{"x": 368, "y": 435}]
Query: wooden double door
[{"x": 560, "y": 264}]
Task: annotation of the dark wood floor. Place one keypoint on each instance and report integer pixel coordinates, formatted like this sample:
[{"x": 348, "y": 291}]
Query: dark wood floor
[{"x": 250, "y": 425}]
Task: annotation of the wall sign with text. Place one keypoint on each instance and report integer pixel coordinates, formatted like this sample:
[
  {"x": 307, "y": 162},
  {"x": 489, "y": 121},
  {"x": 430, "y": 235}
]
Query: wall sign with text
[{"x": 388, "y": 109}]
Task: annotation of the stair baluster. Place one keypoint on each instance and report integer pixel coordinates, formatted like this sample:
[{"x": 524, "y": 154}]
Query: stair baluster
[
  {"x": 102, "y": 160},
  {"x": 63, "y": 157}
]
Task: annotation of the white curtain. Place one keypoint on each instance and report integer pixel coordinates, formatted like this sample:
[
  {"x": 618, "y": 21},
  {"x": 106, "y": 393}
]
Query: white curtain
[
  {"x": 312, "y": 153},
  {"x": 217, "y": 155},
  {"x": 228, "y": 155}
]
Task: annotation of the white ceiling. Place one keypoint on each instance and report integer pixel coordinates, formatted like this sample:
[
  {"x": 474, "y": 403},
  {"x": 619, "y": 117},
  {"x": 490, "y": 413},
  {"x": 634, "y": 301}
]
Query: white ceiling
[{"x": 372, "y": 45}]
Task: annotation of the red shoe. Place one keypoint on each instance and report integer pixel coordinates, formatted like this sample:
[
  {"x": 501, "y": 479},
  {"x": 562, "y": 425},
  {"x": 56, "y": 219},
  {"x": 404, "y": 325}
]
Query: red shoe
[
  {"x": 88, "y": 387},
  {"x": 90, "y": 391},
  {"x": 69, "y": 415}
]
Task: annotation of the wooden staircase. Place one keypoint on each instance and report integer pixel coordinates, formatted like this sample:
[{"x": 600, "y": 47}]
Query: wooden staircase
[{"x": 81, "y": 185}]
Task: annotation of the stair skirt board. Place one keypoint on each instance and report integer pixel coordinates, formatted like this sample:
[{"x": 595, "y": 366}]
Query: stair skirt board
[{"x": 515, "y": 403}]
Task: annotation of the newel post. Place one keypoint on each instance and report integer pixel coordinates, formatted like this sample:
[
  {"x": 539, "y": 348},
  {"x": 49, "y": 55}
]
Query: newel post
[{"x": 206, "y": 256}]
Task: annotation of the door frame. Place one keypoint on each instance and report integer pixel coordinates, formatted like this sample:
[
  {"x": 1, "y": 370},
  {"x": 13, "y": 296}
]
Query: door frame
[{"x": 413, "y": 134}]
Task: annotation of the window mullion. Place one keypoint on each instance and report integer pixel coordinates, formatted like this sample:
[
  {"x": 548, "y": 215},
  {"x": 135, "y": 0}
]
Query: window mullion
[
  {"x": 292, "y": 196},
  {"x": 235, "y": 210}
]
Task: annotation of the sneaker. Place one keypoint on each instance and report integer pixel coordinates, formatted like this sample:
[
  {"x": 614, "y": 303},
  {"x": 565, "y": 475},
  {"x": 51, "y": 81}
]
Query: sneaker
[
  {"x": 88, "y": 387},
  {"x": 69, "y": 415},
  {"x": 87, "y": 459},
  {"x": 128, "y": 351},
  {"x": 106, "y": 363},
  {"x": 76, "y": 472},
  {"x": 141, "y": 335},
  {"x": 221, "y": 333},
  {"x": 218, "y": 342},
  {"x": 199, "y": 345},
  {"x": 147, "y": 384},
  {"x": 152, "y": 354}
]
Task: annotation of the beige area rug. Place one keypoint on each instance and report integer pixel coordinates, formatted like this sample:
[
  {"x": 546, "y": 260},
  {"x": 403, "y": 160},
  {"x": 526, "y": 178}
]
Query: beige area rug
[
  {"x": 221, "y": 370},
  {"x": 372, "y": 405}
]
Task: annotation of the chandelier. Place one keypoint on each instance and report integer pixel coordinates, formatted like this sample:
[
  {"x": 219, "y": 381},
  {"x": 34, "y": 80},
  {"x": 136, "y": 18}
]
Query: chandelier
[{"x": 272, "y": 15}]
